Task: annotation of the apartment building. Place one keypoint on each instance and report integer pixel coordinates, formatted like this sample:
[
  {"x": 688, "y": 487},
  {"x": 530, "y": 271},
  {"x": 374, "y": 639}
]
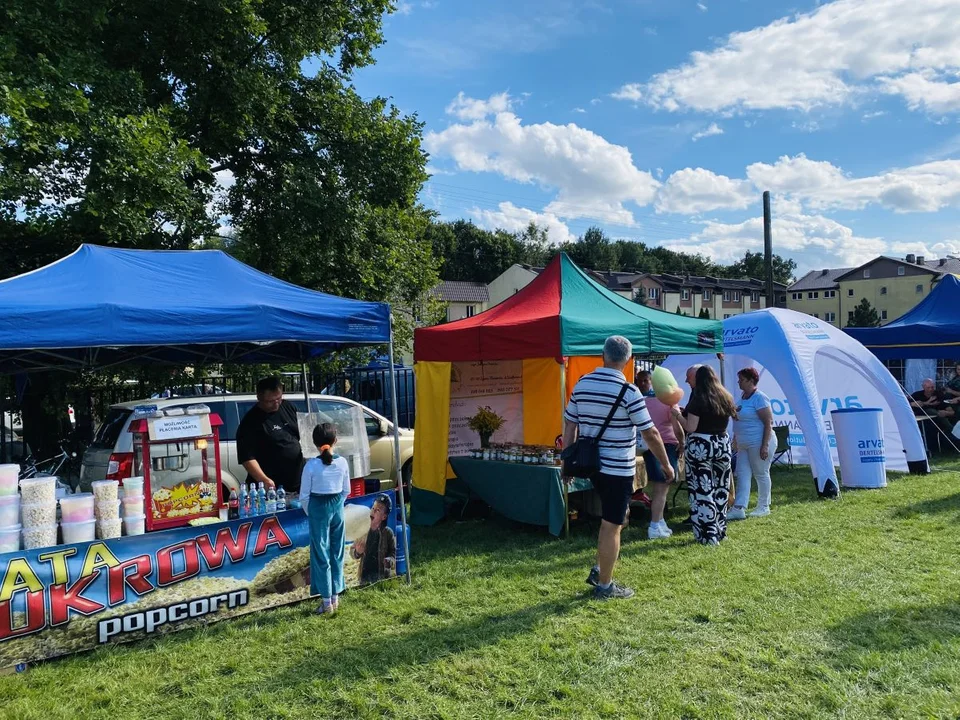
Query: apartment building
[
  {"x": 721, "y": 297},
  {"x": 893, "y": 286}
]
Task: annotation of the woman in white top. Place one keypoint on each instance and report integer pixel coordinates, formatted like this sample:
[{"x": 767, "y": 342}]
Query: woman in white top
[
  {"x": 324, "y": 486},
  {"x": 755, "y": 444}
]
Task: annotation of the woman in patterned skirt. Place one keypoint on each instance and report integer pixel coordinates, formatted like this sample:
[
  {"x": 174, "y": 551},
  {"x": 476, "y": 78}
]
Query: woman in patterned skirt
[{"x": 707, "y": 456}]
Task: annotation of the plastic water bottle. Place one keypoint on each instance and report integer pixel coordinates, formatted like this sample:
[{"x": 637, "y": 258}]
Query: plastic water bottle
[
  {"x": 261, "y": 499},
  {"x": 281, "y": 499},
  {"x": 271, "y": 501},
  {"x": 244, "y": 501}
]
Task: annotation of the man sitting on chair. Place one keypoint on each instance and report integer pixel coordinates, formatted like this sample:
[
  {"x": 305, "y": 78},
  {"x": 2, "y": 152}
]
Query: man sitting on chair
[{"x": 931, "y": 403}]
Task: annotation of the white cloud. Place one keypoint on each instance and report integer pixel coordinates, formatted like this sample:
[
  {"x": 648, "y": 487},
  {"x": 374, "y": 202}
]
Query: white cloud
[
  {"x": 811, "y": 126},
  {"x": 813, "y": 241},
  {"x": 593, "y": 177},
  {"x": 875, "y": 114},
  {"x": 701, "y": 7},
  {"x": 714, "y": 129},
  {"x": 579, "y": 110},
  {"x": 511, "y": 218},
  {"x": 630, "y": 91},
  {"x": 467, "y": 108},
  {"x": 595, "y": 101},
  {"x": 920, "y": 188},
  {"x": 828, "y": 56},
  {"x": 693, "y": 191},
  {"x": 404, "y": 8}
]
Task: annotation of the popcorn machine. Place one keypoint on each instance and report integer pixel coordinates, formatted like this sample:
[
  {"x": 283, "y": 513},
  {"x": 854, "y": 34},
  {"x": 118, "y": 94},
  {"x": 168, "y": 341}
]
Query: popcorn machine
[{"x": 172, "y": 449}]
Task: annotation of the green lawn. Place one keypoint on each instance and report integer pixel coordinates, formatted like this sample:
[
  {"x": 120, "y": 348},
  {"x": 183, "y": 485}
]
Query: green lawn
[{"x": 842, "y": 609}]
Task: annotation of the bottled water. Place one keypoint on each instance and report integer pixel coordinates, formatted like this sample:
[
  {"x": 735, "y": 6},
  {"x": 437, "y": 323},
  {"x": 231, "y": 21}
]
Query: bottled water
[
  {"x": 244, "y": 501},
  {"x": 261, "y": 499},
  {"x": 271, "y": 501},
  {"x": 281, "y": 499}
]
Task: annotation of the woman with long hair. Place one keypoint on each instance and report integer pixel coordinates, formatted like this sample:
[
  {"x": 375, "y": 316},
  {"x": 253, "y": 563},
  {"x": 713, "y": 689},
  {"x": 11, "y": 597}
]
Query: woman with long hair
[
  {"x": 707, "y": 456},
  {"x": 755, "y": 444}
]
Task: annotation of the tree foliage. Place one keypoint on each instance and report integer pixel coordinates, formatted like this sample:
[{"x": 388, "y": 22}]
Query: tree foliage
[
  {"x": 752, "y": 265},
  {"x": 864, "y": 315}
]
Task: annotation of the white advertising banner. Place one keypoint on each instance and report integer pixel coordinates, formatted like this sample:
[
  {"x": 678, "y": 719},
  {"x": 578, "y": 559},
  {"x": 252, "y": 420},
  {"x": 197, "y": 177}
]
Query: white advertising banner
[{"x": 494, "y": 384}]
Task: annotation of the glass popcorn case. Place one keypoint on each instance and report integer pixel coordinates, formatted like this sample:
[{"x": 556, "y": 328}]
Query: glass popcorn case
[{"x": 179, "y": 453}]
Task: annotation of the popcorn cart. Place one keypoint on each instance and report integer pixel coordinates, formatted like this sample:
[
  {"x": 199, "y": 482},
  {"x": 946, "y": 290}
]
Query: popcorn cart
[{"x": 173, "y": 449}]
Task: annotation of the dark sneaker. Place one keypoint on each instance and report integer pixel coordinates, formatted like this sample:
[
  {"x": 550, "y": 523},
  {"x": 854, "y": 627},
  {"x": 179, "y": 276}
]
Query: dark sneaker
[
  {"x": 594, "y": 577},
  {"x": 614, "y": 592}
]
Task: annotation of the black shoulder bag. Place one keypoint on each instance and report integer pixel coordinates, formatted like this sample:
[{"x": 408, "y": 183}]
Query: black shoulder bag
[{"x": 582, "y": 459}]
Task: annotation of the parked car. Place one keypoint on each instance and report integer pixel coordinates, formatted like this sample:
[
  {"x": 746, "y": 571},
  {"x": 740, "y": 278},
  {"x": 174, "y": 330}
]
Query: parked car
[
  {"x": 110, "y": 455},
  {"x": 370, "y": 385}
]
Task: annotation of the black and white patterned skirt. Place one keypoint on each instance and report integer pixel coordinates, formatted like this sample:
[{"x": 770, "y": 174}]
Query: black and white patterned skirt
[{"x": 708, "y": 482}]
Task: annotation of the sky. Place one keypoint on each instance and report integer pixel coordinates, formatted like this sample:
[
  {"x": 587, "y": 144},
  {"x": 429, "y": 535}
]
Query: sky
[{"x": 665, "y": 120}]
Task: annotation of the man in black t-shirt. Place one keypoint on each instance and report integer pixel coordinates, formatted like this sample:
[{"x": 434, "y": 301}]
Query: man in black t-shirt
[{"x": 268, "y": 439}]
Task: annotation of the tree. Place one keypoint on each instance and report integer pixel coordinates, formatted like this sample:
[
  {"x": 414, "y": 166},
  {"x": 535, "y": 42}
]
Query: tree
[
  {"x": 640, "y": 295},
  {"x": 172, "y": 125},
  {"x": 752, "y": 265},
  {"x": 594, "y": 251},
  {"x": 473, "y": 254},
  {"x": 864, "y": 315},
  {"x": 533, "y": 246},
  {"x": 704, "y": 314}
]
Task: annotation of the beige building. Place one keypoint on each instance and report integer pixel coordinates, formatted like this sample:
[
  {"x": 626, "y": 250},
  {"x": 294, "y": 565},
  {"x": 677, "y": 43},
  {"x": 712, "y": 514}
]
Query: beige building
[
  {"x": 510, "y": 282},
  {"x": 463, "y": 299},
  {"x": 893, "y": 286},
  {"x": 721, "y": 297}
]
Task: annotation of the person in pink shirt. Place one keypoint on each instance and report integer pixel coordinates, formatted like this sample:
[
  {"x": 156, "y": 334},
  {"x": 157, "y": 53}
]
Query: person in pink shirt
[{"x": 672, "y": 435}]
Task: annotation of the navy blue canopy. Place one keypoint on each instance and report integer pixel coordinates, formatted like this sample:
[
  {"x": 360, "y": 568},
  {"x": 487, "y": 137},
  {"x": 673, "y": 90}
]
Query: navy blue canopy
[
  {"x": 930, "y": 330},
  {"x": 101, "y": 306}
]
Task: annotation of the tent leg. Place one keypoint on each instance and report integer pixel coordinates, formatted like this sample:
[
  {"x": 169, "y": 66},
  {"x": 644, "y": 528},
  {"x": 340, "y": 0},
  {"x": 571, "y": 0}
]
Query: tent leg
[
  {"x": 563, "y": 480},
  {"x": 396, "y": 455},
  {"x": 306, "y": 387}
]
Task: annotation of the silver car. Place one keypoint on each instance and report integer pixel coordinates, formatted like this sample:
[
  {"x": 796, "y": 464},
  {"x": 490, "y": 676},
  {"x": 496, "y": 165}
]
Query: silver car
[{"x": 110, "y": 455}]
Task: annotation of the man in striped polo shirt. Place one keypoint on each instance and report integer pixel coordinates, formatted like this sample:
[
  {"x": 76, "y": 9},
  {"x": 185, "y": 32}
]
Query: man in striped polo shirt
[{"x": 589, "y": 405}]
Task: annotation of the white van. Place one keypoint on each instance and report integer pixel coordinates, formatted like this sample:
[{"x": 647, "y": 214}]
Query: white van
[{"x": 110, "y": 455}]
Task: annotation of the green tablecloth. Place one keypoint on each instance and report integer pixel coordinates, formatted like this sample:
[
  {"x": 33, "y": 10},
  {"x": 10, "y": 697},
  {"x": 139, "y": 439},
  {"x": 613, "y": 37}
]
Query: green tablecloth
[{"x": 525, "y": 493}]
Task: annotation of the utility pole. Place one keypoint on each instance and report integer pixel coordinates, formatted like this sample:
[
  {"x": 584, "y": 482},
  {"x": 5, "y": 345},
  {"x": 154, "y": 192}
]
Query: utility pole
[{"x": 768, "y": 249}]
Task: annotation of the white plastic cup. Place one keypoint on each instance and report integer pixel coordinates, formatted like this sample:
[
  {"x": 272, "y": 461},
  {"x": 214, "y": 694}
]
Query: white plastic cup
[
  {"x": 133, "y": 486},
  {"x": 134, "y": 524},
  {"x": 78, "y": 532},
  {"x": 109, "y": 529},
  {"x": 76, "y": 508},
  {"x": 39, "y": 537},
  {"x": 34, "y": 515},
  {"x": 104, "y": 490},
  {"x": 9, "y": 539},
  {"x": 107, "y": 510},
  {"x": 9, "y": 510},
  {"x": 38, "y": 491},
  {"x": 132, "y": 505},
  {"x": 9, "y": 475}
]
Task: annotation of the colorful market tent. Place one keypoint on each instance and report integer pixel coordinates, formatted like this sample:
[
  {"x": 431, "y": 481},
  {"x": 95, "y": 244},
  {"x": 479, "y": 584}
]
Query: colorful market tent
[
  {"x": 809, "y": 368},
  {"x": 101, "y": 306},
  {"x": 930, "y": 330},
  {"x": 527, "y": 353}
]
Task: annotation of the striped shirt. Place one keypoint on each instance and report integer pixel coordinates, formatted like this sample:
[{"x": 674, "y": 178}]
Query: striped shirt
[{"x": 589, "y": 406}]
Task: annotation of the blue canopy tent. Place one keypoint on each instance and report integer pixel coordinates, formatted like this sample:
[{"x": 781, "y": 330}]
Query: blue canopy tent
[
  {"x": 100, "y": 306},
  {"x": 930, "y": 331}
]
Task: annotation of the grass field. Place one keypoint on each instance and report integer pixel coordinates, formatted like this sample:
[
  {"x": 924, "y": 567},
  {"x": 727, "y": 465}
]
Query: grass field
[{"x": 847, "y": 609}]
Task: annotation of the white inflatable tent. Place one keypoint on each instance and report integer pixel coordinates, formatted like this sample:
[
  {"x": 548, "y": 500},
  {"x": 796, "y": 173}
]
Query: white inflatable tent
[{"x": 809, "y": 368}]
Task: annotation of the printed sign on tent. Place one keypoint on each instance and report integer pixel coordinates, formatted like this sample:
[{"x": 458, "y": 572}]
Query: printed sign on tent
[{"x": 497, "y": 385}]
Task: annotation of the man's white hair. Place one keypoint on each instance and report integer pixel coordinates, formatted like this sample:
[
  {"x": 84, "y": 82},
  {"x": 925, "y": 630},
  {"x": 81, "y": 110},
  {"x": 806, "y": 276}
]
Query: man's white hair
[{"x": 617, "y": 350}]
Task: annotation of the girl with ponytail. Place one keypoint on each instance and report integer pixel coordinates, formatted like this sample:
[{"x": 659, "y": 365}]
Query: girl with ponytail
[{"x": 324, "y": 486}]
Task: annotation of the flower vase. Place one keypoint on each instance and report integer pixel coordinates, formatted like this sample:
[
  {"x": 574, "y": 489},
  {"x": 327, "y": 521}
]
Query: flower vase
[{"x": 485, "y": 440}]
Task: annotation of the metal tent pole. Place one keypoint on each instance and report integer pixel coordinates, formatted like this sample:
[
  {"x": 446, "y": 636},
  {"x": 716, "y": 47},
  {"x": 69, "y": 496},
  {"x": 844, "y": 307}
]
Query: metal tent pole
[
  {"x": 306, "y": 387},
  {"x": 396, "y": 455}
]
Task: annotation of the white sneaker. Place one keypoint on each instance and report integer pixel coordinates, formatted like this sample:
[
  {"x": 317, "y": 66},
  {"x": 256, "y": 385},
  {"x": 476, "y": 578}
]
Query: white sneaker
[
  {"x": 760, "y": 512},
  {"x": 665, "y": 528},
  {"x": 737, "y": 514},
  {"x": 656, "y": 532}
]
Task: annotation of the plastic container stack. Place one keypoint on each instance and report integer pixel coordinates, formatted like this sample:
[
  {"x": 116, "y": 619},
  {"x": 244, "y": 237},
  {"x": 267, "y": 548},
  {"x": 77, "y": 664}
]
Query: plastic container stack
[
  {"x": 134, "y": 515},
  {"x": 38, "y": 512},
  {"x": 9, "y": 509},
  {"x": 77, "y": 519},
  {"x": 107, "y": 508}
]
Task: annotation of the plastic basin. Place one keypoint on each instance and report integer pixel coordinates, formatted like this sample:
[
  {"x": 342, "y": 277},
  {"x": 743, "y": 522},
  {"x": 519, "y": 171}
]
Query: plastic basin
[
  {"x": 9, "y": 539},
  {"x": 38, "y": 491},
  {"x": 39, "y": 537},
  {"x": 34, "y": 515},
  {"x": 76, "y": 508},
  {"x": 133, "y": 486},
  {"x": 134, "y": 524},
  {"x": 8, "y": 479},
  {"x": 109, "y": 529},
  {"x": 78, "y": 532},
  {"x": 104, "y": 490},
  {"x": 132, "y": 505},
  {"x": 9, "y": 510}
]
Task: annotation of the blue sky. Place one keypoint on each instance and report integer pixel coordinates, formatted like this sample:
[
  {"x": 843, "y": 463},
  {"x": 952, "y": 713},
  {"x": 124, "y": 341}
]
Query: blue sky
[{"x": 664, "y": 120}]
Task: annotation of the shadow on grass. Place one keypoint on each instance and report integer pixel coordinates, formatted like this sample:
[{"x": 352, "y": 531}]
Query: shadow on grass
[
  {"x": 897, "y": 629},
  {"x": 391, "y": 656},
  {"x": 936, "y": 506}
]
